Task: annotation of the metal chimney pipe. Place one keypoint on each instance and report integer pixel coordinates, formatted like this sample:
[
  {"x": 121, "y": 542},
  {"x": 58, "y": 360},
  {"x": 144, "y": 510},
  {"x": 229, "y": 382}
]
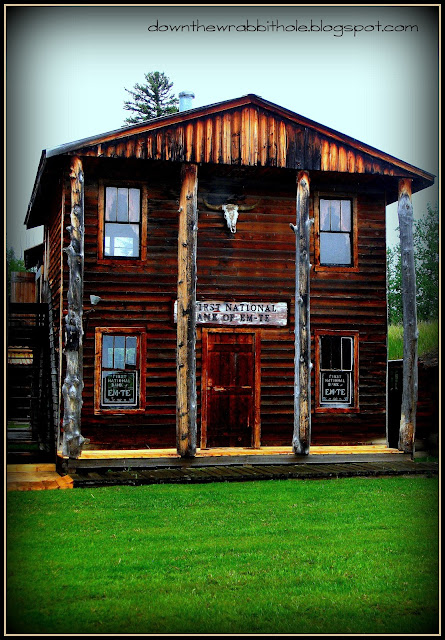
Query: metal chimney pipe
[{"x": 185, "y": 100}]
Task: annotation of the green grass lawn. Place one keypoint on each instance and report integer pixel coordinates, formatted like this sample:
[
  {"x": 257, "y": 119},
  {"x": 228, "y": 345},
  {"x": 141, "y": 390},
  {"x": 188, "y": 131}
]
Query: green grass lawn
[
  {"x": 428, "y": 341},
  {"x": 357, "y": 555}
]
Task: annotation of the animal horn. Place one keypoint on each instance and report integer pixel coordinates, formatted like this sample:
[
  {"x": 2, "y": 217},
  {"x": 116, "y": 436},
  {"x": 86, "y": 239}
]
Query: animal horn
[
  {"x": 247, "y": 208},
  {"x": 212, "y": 207}
]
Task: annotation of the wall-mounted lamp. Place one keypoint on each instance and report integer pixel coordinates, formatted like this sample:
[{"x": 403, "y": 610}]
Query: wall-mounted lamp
[{"x": 95, "y": 300}]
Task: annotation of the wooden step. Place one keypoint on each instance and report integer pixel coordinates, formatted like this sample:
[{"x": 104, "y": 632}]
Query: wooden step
[{"x": 35, "y": 477}]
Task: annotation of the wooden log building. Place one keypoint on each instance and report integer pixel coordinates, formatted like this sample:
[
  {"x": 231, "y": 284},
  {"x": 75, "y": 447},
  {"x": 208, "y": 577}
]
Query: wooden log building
[{"x": 217, "y": 278}]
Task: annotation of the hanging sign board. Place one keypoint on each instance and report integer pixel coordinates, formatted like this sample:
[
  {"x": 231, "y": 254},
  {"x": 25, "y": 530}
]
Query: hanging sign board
[
  {"x": 119, "y": 388},
  {"x": 336, "y": 387},
  {"x": 272, "y": 314}
]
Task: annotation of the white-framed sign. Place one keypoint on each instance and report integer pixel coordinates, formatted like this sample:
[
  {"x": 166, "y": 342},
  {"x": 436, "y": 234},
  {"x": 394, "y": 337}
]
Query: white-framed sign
[
  {"x": 273, "y": 314},
  {"x": 119, "y": 388}
]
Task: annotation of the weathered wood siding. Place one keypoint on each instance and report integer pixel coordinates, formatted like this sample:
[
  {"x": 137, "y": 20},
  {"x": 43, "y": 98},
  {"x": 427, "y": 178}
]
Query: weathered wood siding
[
  {"x": 249, "y": 136},
  {"x": 23, "y": 287},
  {"x": 135, "y": 295},
  {"x": 256, "y": 263},
  {"x": 55, "y": 270},
  {"x": 357, "y": 301}
]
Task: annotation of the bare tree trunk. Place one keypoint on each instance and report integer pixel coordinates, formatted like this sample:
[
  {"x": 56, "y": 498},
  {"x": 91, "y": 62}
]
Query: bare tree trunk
[
  {"x": 186, "y": 427},
  {"x": 73, "y": 384},
  {"x": 410, "y": 333},
  {"x": 302, "y": 363}
]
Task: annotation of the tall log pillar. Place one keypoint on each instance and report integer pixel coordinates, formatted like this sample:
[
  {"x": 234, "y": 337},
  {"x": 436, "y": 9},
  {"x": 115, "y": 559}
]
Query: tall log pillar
[
  {"x": 302, "y": 363},
  {"x": 186, "y": 427},
  {"x": 410, "y": 333},
  {"x": 73, "y": 385}
]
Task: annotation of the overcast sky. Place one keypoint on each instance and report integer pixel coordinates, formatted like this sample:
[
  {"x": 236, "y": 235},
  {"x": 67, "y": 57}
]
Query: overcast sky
[{"x": 68, "y": 67}]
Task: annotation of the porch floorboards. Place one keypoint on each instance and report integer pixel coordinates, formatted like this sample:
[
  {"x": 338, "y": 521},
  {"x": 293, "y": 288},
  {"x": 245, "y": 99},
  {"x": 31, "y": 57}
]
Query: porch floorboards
[
  {"x": 104, "y": 454},
  {"x": 155, "y": 466}
]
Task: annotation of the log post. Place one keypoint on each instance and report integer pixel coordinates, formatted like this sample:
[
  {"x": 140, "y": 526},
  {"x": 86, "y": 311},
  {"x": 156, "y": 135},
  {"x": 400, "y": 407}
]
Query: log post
[
  {"x": 186, "y": 427},
  {"x": 410, "y": 333},
  {"x": 302, "y": 363},
  {"x": 73, "y": 384}
]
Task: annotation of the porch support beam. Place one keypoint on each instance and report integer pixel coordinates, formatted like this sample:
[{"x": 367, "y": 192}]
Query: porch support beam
[
  {"x": 186, "y": 402},
  {"x": 410, "y": 332},
  {"x": 302, "y": 362},
  {"x": 73, "y": 385}
]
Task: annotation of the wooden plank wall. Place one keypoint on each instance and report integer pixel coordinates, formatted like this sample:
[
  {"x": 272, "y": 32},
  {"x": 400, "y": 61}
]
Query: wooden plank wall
[
  {"x": 255, "y": 263},
  {"x": 358, "y": 301},
  {"x": 249, "y": 136},
  {"x": 23, "y": 287},
  {"x": 56, "y": 272},
  {"x": 135, "y": 295}
]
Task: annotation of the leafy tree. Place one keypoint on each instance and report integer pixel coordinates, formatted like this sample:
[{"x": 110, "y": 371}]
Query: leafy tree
[
  {"x": 426, "y": 252},
  {"x": 152, "y": 99},
  {"x": 394, "y": 284},
  {"x": 426, "y": 257}
]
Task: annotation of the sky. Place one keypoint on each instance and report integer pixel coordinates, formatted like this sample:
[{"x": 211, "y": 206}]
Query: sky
[{"x": 370, "y": 72}]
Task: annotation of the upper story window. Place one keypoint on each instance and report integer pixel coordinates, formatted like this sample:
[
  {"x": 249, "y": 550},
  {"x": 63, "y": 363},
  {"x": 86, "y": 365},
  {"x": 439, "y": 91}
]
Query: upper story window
[
  {"x": 335, "y": 232},
  {"x": 122, "y": 222},
  {"x": 336, "y": 246}
]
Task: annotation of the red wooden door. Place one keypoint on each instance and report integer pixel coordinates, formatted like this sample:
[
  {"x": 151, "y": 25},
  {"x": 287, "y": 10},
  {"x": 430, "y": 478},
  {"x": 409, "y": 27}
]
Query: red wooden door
[{"x": 229, "y": 407}]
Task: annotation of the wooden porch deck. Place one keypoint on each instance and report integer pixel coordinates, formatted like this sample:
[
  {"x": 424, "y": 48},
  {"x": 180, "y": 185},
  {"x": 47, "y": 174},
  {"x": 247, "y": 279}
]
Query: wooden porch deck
[
  {"x": 97, "y": 467},
  {"x": 224, "y": 456},
  {"x": 150, "y": 466},
  {"x": 105, "y": 454}
]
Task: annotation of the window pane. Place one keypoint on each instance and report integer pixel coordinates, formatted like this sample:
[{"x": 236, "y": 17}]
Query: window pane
[
  {"x": 130, "y": 352},
  {"x": 335, "y": 353},
  {"x": 135, "y": 205},
  {"x": 330, "y": 353},
  {"x": 345, "y": 215},
  {"x": 336, "y": 365},
  {"x": 119, "y": 352},
  {"x": 122, "y": 205},
  {"x": 122, "y": 240},
  {"x": 120, "y": 374},
  {"x": 107, "y": 352},
  {"x": 110, "y": 204},
  {"x": 335, "y": 215},
  {"x": 335, "y": 248},
  {"x": 347, "y": 354},
  {"x": 324, "y": 215},
  {"x": 326, "y": 352}
]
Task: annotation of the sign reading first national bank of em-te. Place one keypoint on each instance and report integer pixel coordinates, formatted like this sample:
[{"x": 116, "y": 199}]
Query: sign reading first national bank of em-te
[
  {"x": 273, "y": 314},
  {"x": 119, "y": 388}
]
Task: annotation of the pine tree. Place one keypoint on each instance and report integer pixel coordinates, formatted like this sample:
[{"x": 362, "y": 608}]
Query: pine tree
[{"x": 152, "y": 99}]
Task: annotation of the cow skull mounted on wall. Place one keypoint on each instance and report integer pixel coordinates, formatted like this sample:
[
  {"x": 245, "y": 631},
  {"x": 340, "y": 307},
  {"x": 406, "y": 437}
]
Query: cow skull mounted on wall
[
  {"x": 231, "y": 215},
  {"x": 231, "y": 212}
]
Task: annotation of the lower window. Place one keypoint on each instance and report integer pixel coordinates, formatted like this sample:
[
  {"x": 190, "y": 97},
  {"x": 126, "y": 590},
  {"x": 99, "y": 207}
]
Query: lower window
[
  {"x": 120, "y": 370},
  {"x": 336, "y": 371}
]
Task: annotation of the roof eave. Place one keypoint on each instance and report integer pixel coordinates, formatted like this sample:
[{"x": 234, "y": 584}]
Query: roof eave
[
  {"x": 183, "y": 116},
  {"x": 35, "y": 190}
]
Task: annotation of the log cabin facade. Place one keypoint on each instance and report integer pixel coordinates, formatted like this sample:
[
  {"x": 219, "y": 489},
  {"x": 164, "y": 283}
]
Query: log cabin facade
[{"x": 217, "y": 278}]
